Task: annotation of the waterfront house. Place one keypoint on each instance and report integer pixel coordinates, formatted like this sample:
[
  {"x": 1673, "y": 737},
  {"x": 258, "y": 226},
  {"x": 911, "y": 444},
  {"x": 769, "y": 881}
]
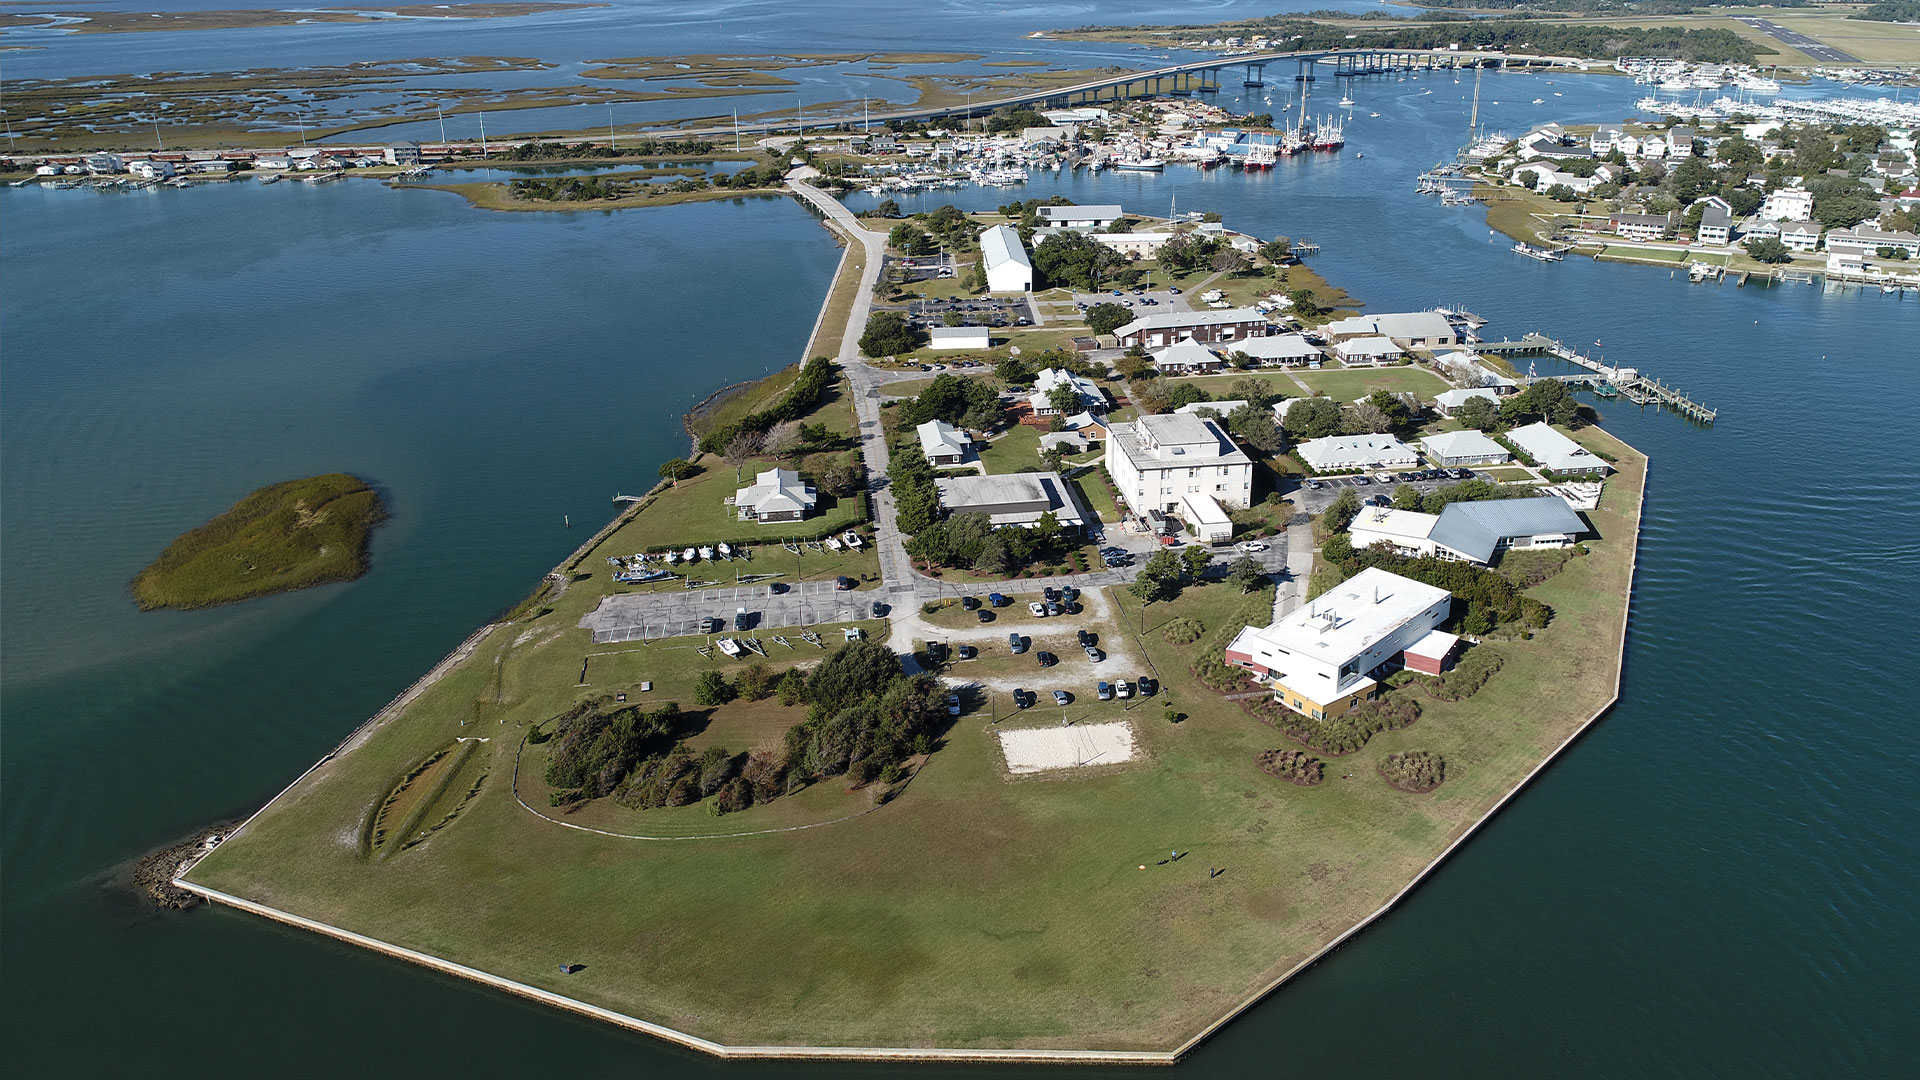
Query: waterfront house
[
  {"x": 1206, "y": 327},
  {"x": 1453, "y": 449},
  {"x": 1716, "y": 221},
  {"x": 1356, "y": 452},
  {"x": 1447, "y": 401},
  {"x": 1005, "y": 259},
  {"x": 1134, "y": 245},
  {"x": 943, "y": 443},
  {"x": 1099, "y": 216},
  {"x": 1552, "y": 450},
  {"x": 1801, "y": 236},
  {"x": 1408, "y": 329},
  {"x": 1157, "y": 461},
  {"x": 273, "y": 162},
  {"x": 150, "y": 169},
  {"x": 1367, "y": 351},
  {"x": 1013, "y": 499},
  {"x": 104, "y": 164},
  {"x": 1187, "y": 357},
  {"x": 405, "y": 153},
  {"x": 1641, "y": 226},
  {"x": 1322, "y": 660},
  {"x": 1787, "y": 204},
  {"x": 1867, "y": 241},
  {"x": 1088, "y": 394},
  {"x": 1759, "y": 228},
  {"x": 776, "y": 495},
  {"x": 1280, "y": 350},
  {"x": 958, "y": 337}
]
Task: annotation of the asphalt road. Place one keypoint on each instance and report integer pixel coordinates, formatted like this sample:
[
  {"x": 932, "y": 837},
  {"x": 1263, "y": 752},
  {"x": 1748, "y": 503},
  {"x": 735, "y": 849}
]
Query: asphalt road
[{"x": 1811, "y": 46}]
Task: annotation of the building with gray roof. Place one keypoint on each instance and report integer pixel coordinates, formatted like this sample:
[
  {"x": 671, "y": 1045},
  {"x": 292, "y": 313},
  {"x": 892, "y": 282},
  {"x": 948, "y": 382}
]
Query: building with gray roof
[
  {"x": 1017, "y": 499},
  {"x": 1477, "y": 531}
]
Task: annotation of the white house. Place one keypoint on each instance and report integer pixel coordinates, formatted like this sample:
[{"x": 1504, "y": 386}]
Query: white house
[
  {"x": 1158, "y": 461},
  {"x": 1447, "y": 401},
  {"x": 1356, "y": 452},
  {"x": 151, "y": 170},
  {"x": 1453, "y": 449},
  {"x": 1005, "y": 259},
  {"x": 958, "y": 337},
  {"x": 1866, "y": 241},
  {"x": 102, "y": 164},
  {"x": 1716, "y": 221},
  {"x": 1801, "y": 236},
  {"x": 1404, "y": 532},
  {"x": 1134, "y": 245},
  {"x": 1322, "y": 659},
  {"x": 1207, "y": 327},
  {"x": 1787, "y": 204},
  {"x": 1367, "y": 351},
  {"x": 1555, "y": 451},
  {"x": 1099, "y": 216},
  {"x": 1280, "y": 350},
  {"x": 943, "y": 443},
  {"x": 1210, "y": 523},
  {"x": 776, "y": 495},
  {"x": 1409, "y": 329},
  {"x": 1044, "y": 383},
  {"x": 1475, "y": 532},
  {"x": 1186, "y": 357}
]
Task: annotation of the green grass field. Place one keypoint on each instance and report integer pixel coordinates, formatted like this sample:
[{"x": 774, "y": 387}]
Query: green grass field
[
  {"x": 284, "y": 536},
  {"x": 975, "y": 910}
]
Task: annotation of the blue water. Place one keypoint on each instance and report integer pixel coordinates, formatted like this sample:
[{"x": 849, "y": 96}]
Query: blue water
[{"x": 1717, "y": 880}]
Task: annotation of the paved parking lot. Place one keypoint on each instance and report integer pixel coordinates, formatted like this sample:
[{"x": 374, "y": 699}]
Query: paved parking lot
[
  {"x": 1315, "y": 501},
  {"x": 973, "y": 311},
  {"x": 645, "y": 616},
  {"x": 1143, "y": 301}
]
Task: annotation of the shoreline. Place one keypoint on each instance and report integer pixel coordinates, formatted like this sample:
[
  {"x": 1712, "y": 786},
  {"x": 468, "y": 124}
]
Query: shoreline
[{"x": 727, "y": 1051}]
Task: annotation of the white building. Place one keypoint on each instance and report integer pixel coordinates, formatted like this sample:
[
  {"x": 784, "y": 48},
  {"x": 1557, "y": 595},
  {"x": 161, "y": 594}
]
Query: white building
[
  {"x": 1134, "y": 245},
  {"x": 102, "y": 164},
  {"x": 1209, "y": 522},
  {"x": 1187, "y": 357},
  {"x": 958, "y": 337},
  {"x": 1802, "y": 236},
  {"x": 151, "y": 170},
  {"x": 1405, "y": 532},
  {"x": 1356, "y": 452},
  {"x": 1453, "y": 449},
  {"x": 1078, "y": 217},
  {"x": 1221, "y": 409},
  {"x": 1408, "y": 329},
  {"x": 1555, "y": 451},
  {"x": 943, "y": 443},
  {"x": 1367, "y": 351},
  {"x": 1447, "y": 401},
  {"x": 1280, "y": 350},
  {"x": 1322, "y": 660},
  {"x": 1017, "y": 499},
  {"x": 1207, "y": 327},
  {"x": 776, "y": 495},
  {"x": 404, "y": 152},
  {"x": 1005, "y": 259},
  {"x": 1787, "y": 204},
  {"x": 1475, "y": 532},
  {"x": 1157, "y": 461},
  {"x": 1089, "y": 394},
  {"x": 1866, "y": 241}
]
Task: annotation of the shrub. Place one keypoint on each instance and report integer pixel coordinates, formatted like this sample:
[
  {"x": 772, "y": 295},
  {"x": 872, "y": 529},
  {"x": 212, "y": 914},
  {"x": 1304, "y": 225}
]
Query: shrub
[
  {"x": 1185, "y": 631},
  {"x": 712, "y": 688},
  {"x": 1343, "y": 733},
  {"x": 1416, "y": 771},
  {"x": 1292, "y": 766},
  {"x": 1468, "y": 676}
]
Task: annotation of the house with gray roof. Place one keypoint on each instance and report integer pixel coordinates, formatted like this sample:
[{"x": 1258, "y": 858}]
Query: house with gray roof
[
  {"x": 1478, "y": 531},
  {"x": 1452, "y": 449},
  {"x": 1012, "y": 499},
  {"x": 1552, "y": 450},
  {"x": 1448, "y": 400},
  {"x": 1209, "y": 327},
  {"x": 776, "y": 495},
  {"x": 943, "y": 443}
]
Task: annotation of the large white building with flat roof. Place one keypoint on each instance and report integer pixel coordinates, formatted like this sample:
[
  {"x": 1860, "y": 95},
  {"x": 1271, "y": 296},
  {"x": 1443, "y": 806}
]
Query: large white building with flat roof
[
  {"x": 1322, "y": 660},
  {"x": 1157, "y": 461}
]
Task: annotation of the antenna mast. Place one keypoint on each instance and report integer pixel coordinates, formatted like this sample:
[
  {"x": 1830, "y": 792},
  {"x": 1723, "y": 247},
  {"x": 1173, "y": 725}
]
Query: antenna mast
[{"x": 1473, "y": 122}]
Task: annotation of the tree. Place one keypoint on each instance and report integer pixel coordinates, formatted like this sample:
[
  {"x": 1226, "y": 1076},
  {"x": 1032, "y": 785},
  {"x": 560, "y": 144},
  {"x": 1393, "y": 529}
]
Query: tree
[
  {"x": 1159, "y": 579},
  {"x": 889, "y": 334},
  {"x": 1150, "y": 395},
  {"x": 1278, "y": 250},
  {"x": 1304, "y": 302},
  {"x": 1131, "y": 367},
  {"x": 1246, "y": 572},
  {"x": 1194, "y": 560},
  {"x": 1064, "y": 398},
  {"x": 853, "y": 673},
  {"x": 1230, "y": 261},
  {"x": 1480, "y": 413},
  {"x": 1254, "y": 425},
  {"x": 1069, "y": 259},
  {"x": 1364, "y": 418},
  {"x": 678, "y": 469},
  {"x": 712, "y": 688},
  {"x": 996, "y": 555},
  {"x": 1406, "y": 497},
  {"x": 1314, "y": 418},
  {"x": 1766, "y": 249},
  {"x": 1106, "y": 318},
  {"x": 887, "y": 209},
  {"x": 743, "y": 447}
]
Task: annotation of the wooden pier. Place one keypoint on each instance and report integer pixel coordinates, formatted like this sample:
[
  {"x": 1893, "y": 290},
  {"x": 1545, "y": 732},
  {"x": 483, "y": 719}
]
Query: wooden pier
[{"x": 1636, "y": 387}]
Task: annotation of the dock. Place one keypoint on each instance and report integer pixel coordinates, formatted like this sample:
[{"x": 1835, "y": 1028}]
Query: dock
[{"x": 1633, "y": 385}]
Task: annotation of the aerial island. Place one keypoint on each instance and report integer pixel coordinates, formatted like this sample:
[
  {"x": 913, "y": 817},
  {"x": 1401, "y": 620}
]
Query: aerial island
[{"x": 286, "y": 536}]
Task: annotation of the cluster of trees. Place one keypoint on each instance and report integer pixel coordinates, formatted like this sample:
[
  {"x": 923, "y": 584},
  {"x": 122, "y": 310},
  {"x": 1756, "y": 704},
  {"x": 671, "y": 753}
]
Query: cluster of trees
[
  {"x": 1020, "y": 370},
  {"x": 1319, "y": 417},
  {"x": 1508, "y": 34},
  {"x": 1066, "y": 259},
  {"x": 1015, "y": 118},
  {"x": 888, "y": 333},
  {"x": 969, "y": 541},
  {"x": 635, "y": 755},
  {"x": 1167, "y": 572},
  {"x": 864, "y": 719},
  {"x": 1901, "y": 11},
  {"x": 1483, "y": 598},
  {"x": 552, "y": 151},
  {"x": 1106, "y": 318},
  {"x": 567, "y": 189},
  {"x": 916, "y": 501},
  {"x": 801, "y": 398},
  {"x": 971, "y": 403},
  {"x": 1548, "y": 400}
]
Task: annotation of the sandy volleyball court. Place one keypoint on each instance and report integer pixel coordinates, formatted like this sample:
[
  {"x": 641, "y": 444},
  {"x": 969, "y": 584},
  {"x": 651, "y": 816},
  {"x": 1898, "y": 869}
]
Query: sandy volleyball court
[{"x": 1033, "y": 750}]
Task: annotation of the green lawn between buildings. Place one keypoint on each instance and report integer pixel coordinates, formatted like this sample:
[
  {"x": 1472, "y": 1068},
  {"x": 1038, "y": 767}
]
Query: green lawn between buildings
[{"x": 975, "y": 910}]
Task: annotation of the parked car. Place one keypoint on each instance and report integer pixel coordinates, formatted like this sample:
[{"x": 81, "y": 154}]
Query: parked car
[
  {"x": 1062, "y": 698},
  {"x": 1085, "y": 638},
  {"x": 1315, "y": 485},
  {"x": 936, "y": 651},
  {"x": 1023, "y": 698},
  {"x": 1056, "y": 609},
  {"x": 1017, "y": 643},
  {"x": 1037, "y": 610},
  {"x": 1463, "y": 474},
  {"x": 1095, "y": 655},
  {"x": 844, "y": 583},
  {"x": 1046, "y": 659},
  {"x": 968, "y": 652},
  {"x": 1174, "y": 290},
  {"x": 1074, "y": 608},
  {"x": 1069, "y": 594},
  {"x": 1050, "y": 593},
  {"x": 879, "y": 610},
  {"x": 1251, "y": 546},
  {"x": 711, "y": 624},
  {"x": 984, "y": 615},
  {"x": 1147, "y": 686},
  {"x": 969, "y": 603},
  {"x": 1383, "y": 476},
  {"x": 998, "y": 600},
  {"x": 777, "y": 588},
  {"x": 953, "y": 704},
  {"x": 1123, "y": 689},
  {"x": 1104, "y": 691},
  {"x": 1361, "y": 481}
]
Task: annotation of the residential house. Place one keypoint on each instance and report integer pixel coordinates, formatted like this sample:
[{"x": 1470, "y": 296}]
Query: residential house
[
  {"x": 1322, "y": 659},
  {"x": 1552, "y": 450},
  {"x": 1089, "y": 395},
  {"x": 1641, "y": 226},
  {"x": 1866, "y": 241},
  {"x": 1800, "y": 235},
  {"x": 1087, "y": 426},
  {"x": 776, "y": 495},
  {"x": 151, "y": 169},
  {"x": 1408, "y": 329},
  {"x": 1447, "y": 401},
  {"x": 1100, "y": 216},
  {"x": 1209, "y": 327},
  {"x": 1187, "y": 357},
  {"x": 1070, "y": 441},
  {"x": 1787, "y": 204},
  {"x": 1367, "y": 351},
  {"x": 1157, "y": 461},
  {"x": 403, "y": 153},
  {"x": 104, "y": 164},
  {"x": 1005, "y": 258},
  {"x": 1013, "y": 499},
  {"x": 1356, "y": 452},
  {"x": 1280, "y": 350},
  {"x": 1453, "y": 449},
  {"x": 1680, "y": 142},
  {"x": 943, "y": 443},
  {"x": 1716, "y": 221}
]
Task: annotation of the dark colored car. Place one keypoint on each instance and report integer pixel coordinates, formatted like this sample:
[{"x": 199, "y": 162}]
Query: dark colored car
[
  {"x": 985, "y": 615},
  {"x": 1047, "y": 659},
  {"x": 879, "y": 610},
  {"x": 1147, "y": 686},
  {"x": 711, "y": 625},
  {"x": 1050, "y": 593},
  {"x": 1017, "y": 643},
  {"x": 844, "y": 583},
  {"x": 969, "y": 603},
  {"x": 1074, "y": 608},
  {"x": 1069, "y": 594},
  {"x": 998, "y": 600},
  {"x": 1024, "y": 699},
  {"x": 1463, "y": 474},
  {"x": 1085, "y": 637},
  {"x": 777, "y": 588},
  {"x": 936, "y": 652}
]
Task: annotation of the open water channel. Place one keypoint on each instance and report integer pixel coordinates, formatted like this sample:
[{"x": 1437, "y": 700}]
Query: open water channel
[{"x": 1717, "y": 880}]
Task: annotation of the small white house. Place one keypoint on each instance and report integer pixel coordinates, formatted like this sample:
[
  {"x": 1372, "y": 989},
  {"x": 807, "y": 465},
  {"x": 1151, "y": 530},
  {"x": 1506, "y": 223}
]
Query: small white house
[
  {"x": 151, "y": 170},
  {"x": 943, "y": 443},
  {"x": 1447, "y": 401},
  {"x": 1367, "y": 351},
  {"x": 1187, "y": 357}
]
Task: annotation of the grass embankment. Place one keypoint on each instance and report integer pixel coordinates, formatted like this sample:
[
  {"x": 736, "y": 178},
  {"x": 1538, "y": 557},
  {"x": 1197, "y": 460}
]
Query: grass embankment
[
  {"x": 495, "y": 195},
  {"x": 281, "y": 537},
  {"x": 973, "y": 911}
]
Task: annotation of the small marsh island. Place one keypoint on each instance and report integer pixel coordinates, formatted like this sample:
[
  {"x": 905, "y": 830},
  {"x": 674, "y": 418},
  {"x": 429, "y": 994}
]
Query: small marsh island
[{"x": 282, "y": 537}]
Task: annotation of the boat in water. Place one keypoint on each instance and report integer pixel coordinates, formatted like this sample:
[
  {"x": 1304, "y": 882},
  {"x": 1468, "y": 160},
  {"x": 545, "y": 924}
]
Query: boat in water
[
  {"x": 1542, "y": 254},
  {"x": 1140, "y": 164}
]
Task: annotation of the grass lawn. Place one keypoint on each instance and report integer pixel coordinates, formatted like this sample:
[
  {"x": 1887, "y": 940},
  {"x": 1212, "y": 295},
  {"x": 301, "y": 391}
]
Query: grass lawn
[
  {"x": 1644, "y": 254},
  {"x": 1346, "y": 384},
  {"x": 694, "y": 512},
  {"x": 1016, "y": 451},
  {"x": 832, "y": 328},
  {"x": 975, "y": 910}
]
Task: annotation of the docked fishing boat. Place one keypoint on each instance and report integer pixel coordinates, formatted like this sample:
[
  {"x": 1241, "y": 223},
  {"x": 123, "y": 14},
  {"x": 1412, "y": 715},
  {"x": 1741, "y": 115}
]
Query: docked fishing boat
[
  {"x": 854, "y": 541},
  {"x": 1140, "y": 164},
  {"x": 1542, "y": 254}
]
